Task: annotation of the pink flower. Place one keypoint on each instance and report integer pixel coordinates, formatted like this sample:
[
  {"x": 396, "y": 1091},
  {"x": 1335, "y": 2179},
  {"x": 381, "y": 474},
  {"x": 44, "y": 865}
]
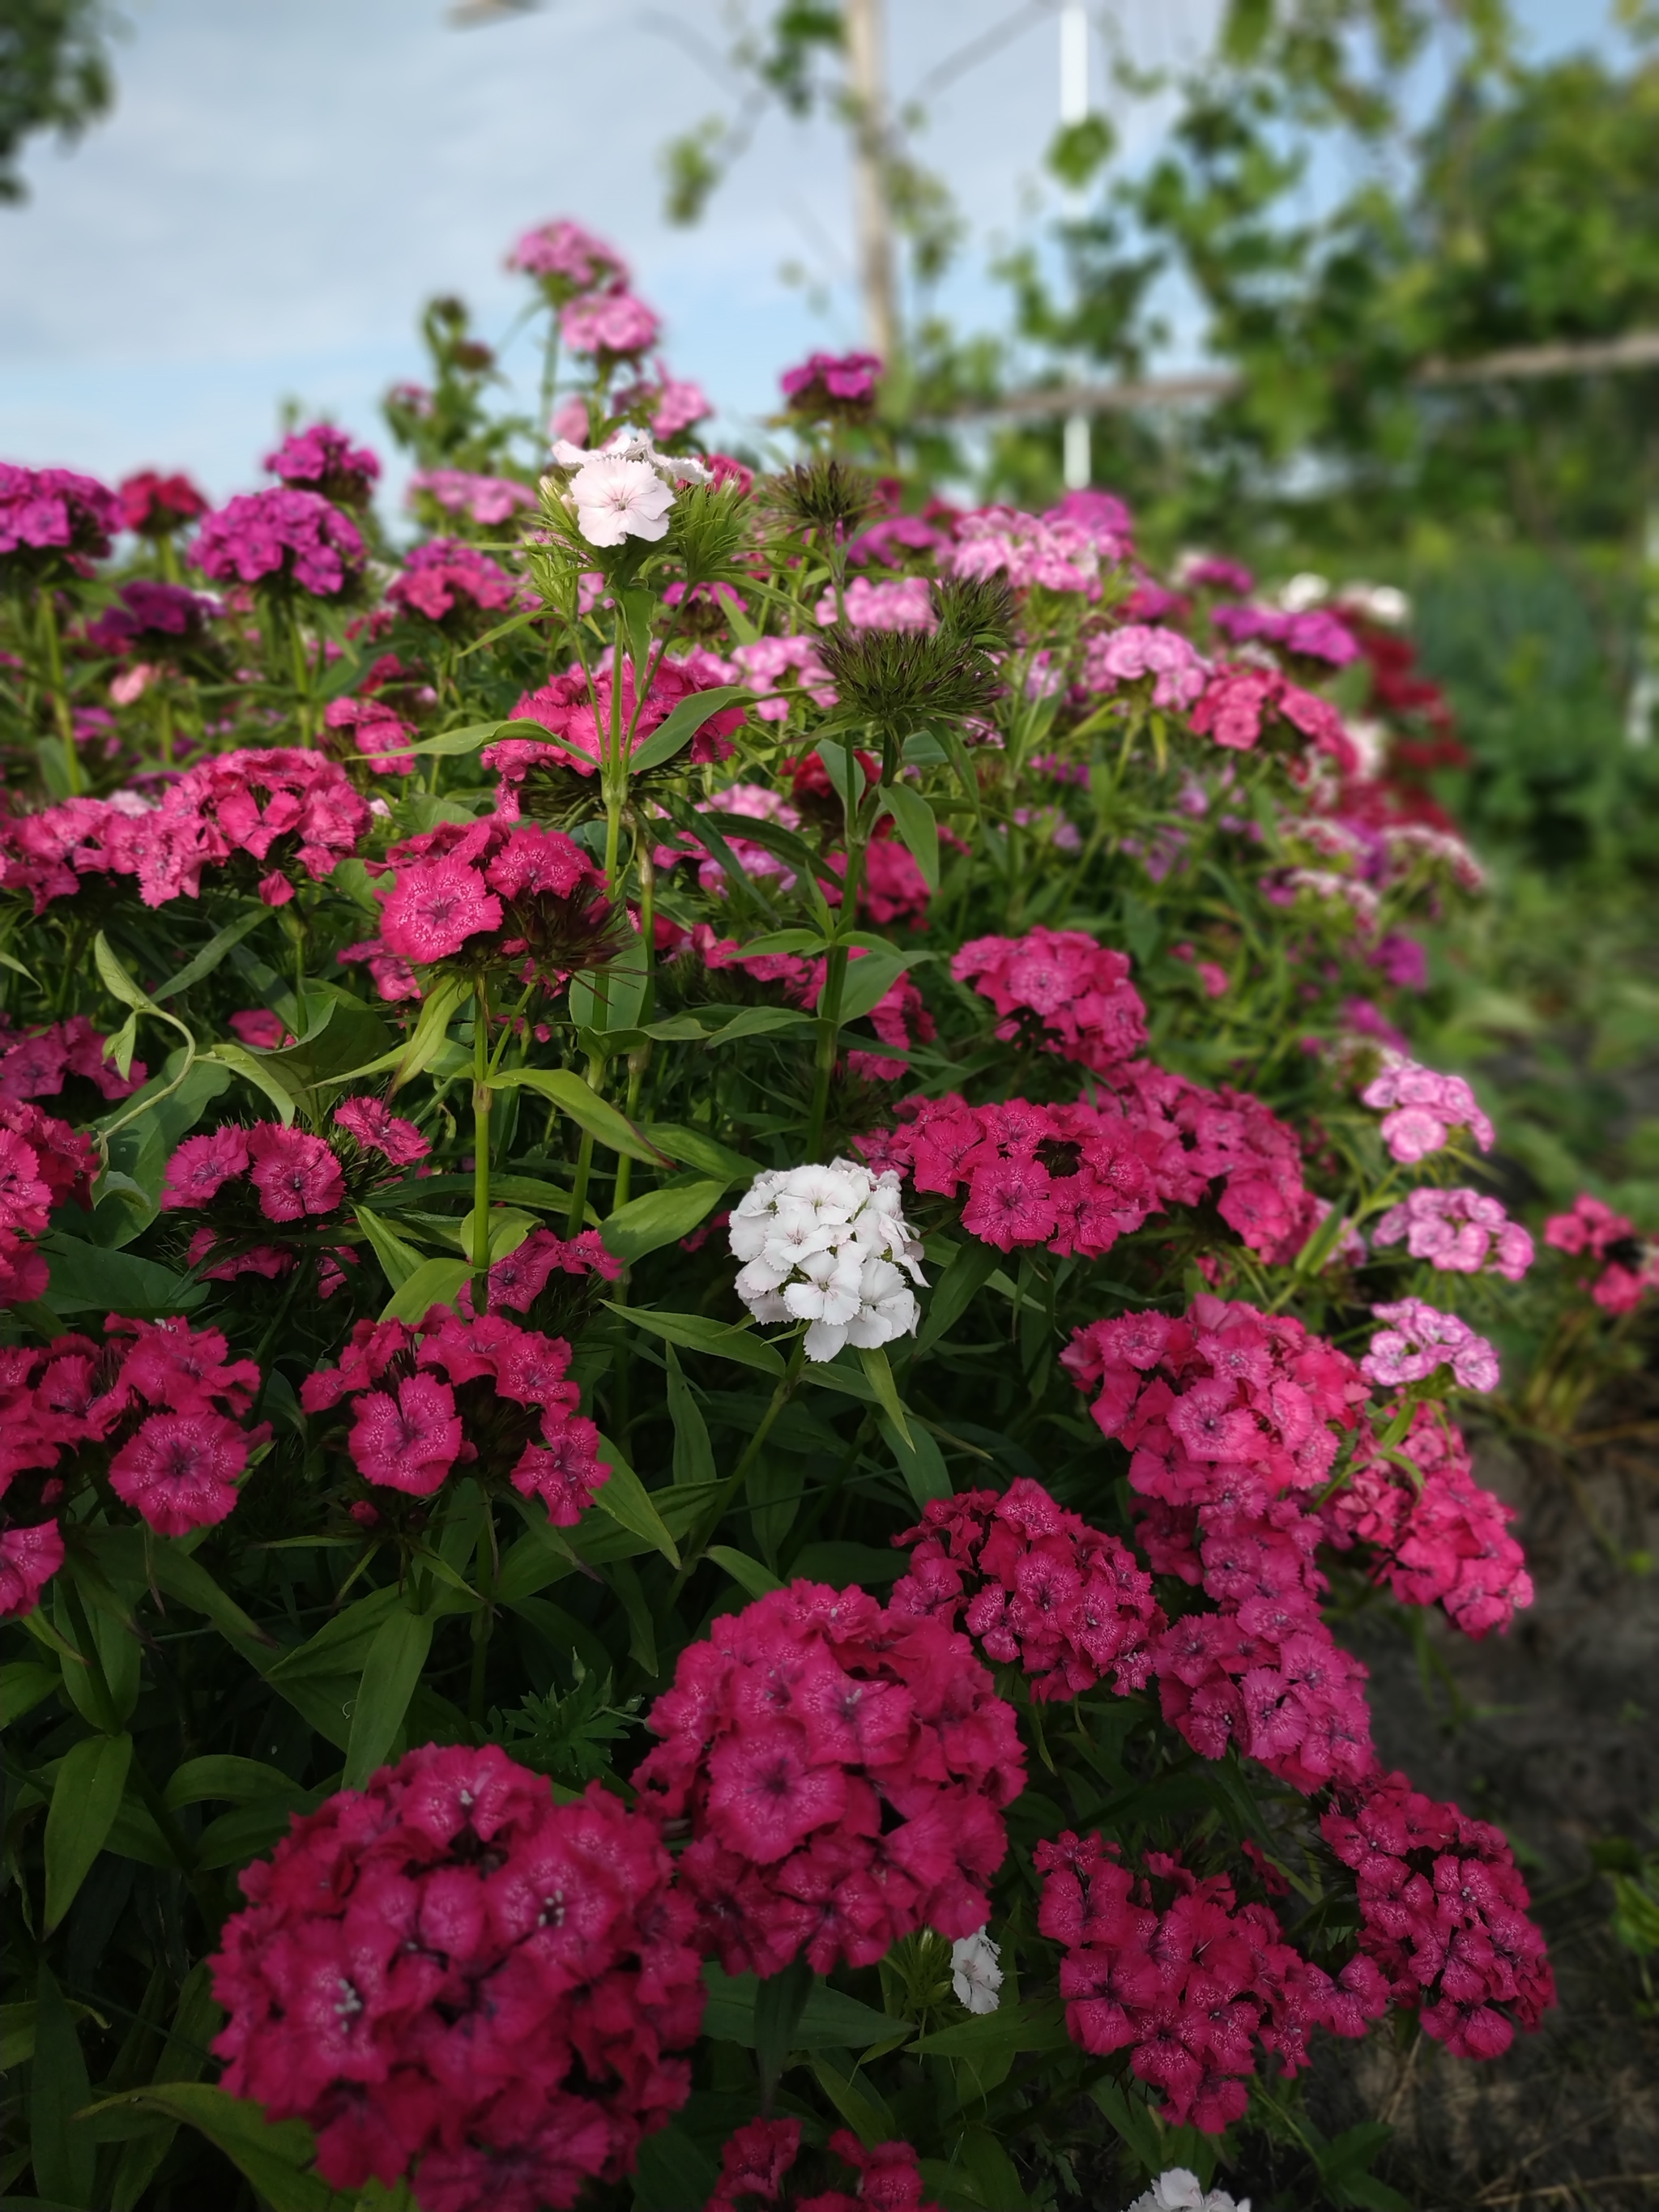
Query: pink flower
[
  {"x": 408, "y": 1442},
  {"x": 53, "y": 513},
  {"x": 434, "y": 908},
  {"x": 1138, "y": 650},
  {"x": 608, "y": 323},
  {"x": 832, "y": 384},
  {"x": 1078, "y": 990},
  {"x": 378, "y": 1130},
  {"x": 486, "y": 500},
  {"x": 574, "y": 257},
  {"x": 180, "y": 1470},
  {"x": 1422, "y": 1108},
  {"x": 294, "y": 1174},
  {"x": 1420, "y": 1339},
  {"x": 895, "y": 603},
  {"x": 323, "y": 459},
  {"x": 202, "y": 1165},
  {"x": 1461, "y": 1231},
  {"x": 444, "y": 575},
  {"x": 29, "y": 1557}
]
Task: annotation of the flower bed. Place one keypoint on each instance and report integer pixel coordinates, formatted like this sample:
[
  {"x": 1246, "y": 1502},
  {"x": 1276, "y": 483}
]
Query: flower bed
[{"x": 685, "y": 1459}]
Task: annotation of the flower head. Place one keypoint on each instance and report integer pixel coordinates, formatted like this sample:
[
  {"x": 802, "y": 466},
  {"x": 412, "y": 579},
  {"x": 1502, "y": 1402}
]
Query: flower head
[
  {"x": 826, "y": 1245},
  {"x": 975, "y": 1972}
]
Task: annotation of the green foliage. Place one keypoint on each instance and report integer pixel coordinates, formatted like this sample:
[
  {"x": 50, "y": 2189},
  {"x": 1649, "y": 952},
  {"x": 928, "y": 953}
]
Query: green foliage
[{"x": 54, "y": 75}]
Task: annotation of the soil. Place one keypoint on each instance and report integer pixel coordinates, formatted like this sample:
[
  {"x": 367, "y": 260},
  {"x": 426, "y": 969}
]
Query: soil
[{"x": 1552, "y": 1732}]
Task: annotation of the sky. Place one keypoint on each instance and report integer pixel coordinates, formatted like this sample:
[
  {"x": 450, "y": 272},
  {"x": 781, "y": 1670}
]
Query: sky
[{"x": 284, "y": 182}]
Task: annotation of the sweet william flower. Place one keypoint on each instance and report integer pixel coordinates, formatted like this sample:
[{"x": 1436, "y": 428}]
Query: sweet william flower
[
  {"x": 976, "y": 1971},
  {"x": 826, "y": 1245},
  {"x": 615, "y": 498},
  {"x": 293, "y": 1173},
  {"x": 29, "y": 1557},
  {"x": 1177, "y": 2189},
  {"x": 180, "y": 1470}
]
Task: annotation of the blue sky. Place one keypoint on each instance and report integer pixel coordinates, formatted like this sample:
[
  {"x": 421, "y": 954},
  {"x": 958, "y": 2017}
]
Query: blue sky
[{"x": 284, "y": 181}]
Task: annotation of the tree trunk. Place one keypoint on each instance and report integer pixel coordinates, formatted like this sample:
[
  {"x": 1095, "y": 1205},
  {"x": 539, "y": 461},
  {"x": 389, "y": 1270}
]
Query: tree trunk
[{"x": 867, "y": 70}]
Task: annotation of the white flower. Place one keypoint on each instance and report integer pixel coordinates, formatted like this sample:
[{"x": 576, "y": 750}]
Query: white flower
[
  {"x": 826, "y": 1245},
  {"x": 976, "y": 1976},
  {"x": 1303, "y": 592},
  {"x": 615, "y": 499},
  {"x": 1177, "y": 2191},
  {"x": 635, "y": 445}
]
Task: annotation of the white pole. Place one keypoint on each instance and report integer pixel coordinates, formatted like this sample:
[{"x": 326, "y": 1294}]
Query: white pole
[
  {"x": 868, "y": 78},
  {"x": 1076, "y": 459}
]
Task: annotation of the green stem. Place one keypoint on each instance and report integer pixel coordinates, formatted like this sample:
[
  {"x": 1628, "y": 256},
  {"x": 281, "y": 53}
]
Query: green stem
[
  {"x": 584, "y": 1157},
  {"x": 484, "y": 1621},
  {"x": 302, "y": 664},
  {"x": 166, "y": 555},
  {"x": 829, "y": 998},
  {"x": 481, "y": 1102},
  {"x": 732, "y": 1488},
  {"x": 53, "y": 644}
]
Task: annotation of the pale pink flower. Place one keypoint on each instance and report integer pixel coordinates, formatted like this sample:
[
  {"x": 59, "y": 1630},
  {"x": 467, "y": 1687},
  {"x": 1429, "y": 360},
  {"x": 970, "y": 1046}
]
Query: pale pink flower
[{"x": 616, "y": 498}]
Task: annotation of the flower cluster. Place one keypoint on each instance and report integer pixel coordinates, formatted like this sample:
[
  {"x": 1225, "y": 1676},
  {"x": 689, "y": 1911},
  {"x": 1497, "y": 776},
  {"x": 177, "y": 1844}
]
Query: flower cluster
[
  {"x": 284, "y": 537},
  {"x": 155, "y": 506},
  {"x": 39, "y": 1063},
  {"x": 50, "y": 513},
  {"x": 167, "y": 1410},
  {"x": 1311, "y": 634},
  {"x": 755, "y": 2160},
  {"x": 378, "y": 730},
  {"x": 447, "y": 1973},
  {"x": 44, "y": 1164},
  {"x": 1077, "y": 1177},
  {"x": 483, "y": 500},
  {"x": 1440, "y": 1539},
  {"x": 1234, "y": 704},
  {"x": 1085, "y": 1008},
  {"x": 828, "y": 384},
  {"x": 446, "y": 574},
  {"x": 495, "y": 892},
  {"x": 478, "y": 1391},
  {"x": 150, "y": 613},
  {"x": 1189, "y": 1988},
  {"x": 894, "y": 602},
  {"x": 324, "y": 459},
  {"x": 1419, "y": 1340},
  {"x": 1631, "y": 1267},
  {"x": 1140, "y": 650},
  {"x": 1227, "y": 1414},
  {"x": 613, "y": 324},
  {"x": 1047, "y": 551},
  {"x": 1461, "y": 1232},
  {"x": 1035, "y": 1586},
  {"x": 1421, "y": 1109},
  {"x": 1178, "y": 2190},
  {"x": 826, "y": 1245},
  {"x": 844, "y": 1770},
  {"x": 568, "y": 258},
  {"x": 517, "y": 1280},
  {"x": 580, "y": 713},
  {"x": 1443, "y": 1915}
]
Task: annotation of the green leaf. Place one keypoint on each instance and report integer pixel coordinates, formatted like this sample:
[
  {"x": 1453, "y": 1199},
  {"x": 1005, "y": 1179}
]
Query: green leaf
[
  {"x": 871, "y": 977},
  {"x": 846, "y": 775},
  {"x": 389, "y": 1673},
  {"x": 682, "y": 725},
  {"x": 829, "y": 2020},
  {"x": 276, "y": 2158},
  {"x": 969, "y": 1269},
  {"x": 869, "y": 2116},
  {"x": 23, "y": 1684},
  {"x": 397, "y": 1260},
  {"x": 1039, "y": 2025},
  {"x": 672, "y": 2171},
  {"x": 116, "y": 980},
  {"x": 341, "y": 1645},
  {"x": 196, "y": 971},
  {"x": 434, "y": 1283},
  {"x": 694, "y": 1148},
  {"x": 807, "y": 941},
  {"x": 627, "y": 1500},
  {"x": 694, "y": 1455},
  {"x": 759, "y": 1021},
  {"x": 747, "y": 1573},
  {"x": 91, "y": 1278},
  {"x": 609, "y": 999},
  {"x": 85, "y": 1799},
  {"x": 660, "y": 1217},
  {"x": 221, "y": 1776},
  {"x": 250, "y": 1830},
  {"x": 196, "y": 2021},
  {"x": 179, "y": 1576},
  {"x": 585, "y": 1109},
  {"x": 919, "y": 1462},
  {"x": 698, "y": 1333},
  {"x": 780, "y": 2001},
  {"x": 873, "y": 1360},
  {"x": 252, "y": 1069},
  {"x": 991, "y": 2171},
  {"x": 63, "y": 2148},
  {"x": 917, "y": 824},
  {"x": 1131, "y": 2117}
]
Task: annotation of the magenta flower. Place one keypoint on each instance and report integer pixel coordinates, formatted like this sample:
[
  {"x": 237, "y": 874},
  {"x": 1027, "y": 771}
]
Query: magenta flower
[
  {"x": 435, "y": 907},
  {"x": 47, "y": 514},
  {"x": 446, "y": 574},
  {"x": 574, "y": 257},
  {"x": 524, "y": 2058},
  {"x": 832, "y": 384},
  {"x": 1460, "y": 1230},
  {"x": 201, "y": 1165},
  {"x": 408, "y": 1442},
  {"x": 287, "y": 537},
  {"x": 29, "y": 1557},
  {"x": 180, "y": 1470},
  {"x": 295, "y": 1174},
  {"x": 324, "y": 459},
  {"x": 378, "y": 1130},
  {"x": 484, "y": 500}
]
